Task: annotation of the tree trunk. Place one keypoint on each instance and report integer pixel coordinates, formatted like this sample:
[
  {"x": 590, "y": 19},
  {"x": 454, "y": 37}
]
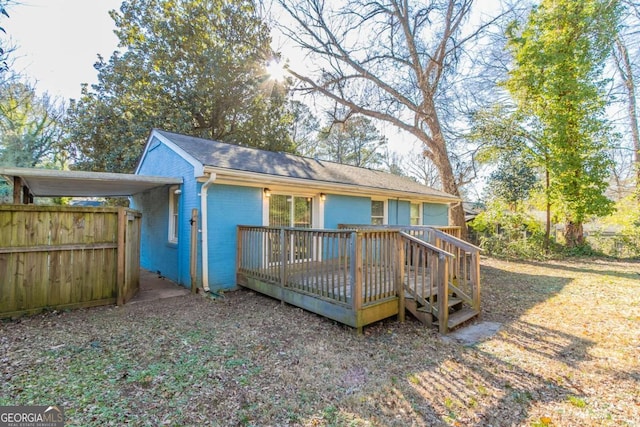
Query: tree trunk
[
  {"x": 547, "y": 228},
  {"x": 440, "y": 157},
  {"x": 573, "y": 234},
  {"x": 626, "y": 72}
]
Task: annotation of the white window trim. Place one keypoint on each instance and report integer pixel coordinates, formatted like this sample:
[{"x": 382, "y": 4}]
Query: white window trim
[
  {"x": 173, "y": 230},
  {"x": 420, "y": 217}
]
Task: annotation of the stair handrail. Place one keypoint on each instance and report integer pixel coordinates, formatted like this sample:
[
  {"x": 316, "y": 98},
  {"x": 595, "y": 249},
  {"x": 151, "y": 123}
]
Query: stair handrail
[
  {"x": 426, "y": 244},
  {"x": 474, "y": 252},
  {"x": 444, "y": 259},
  {"x": 469, "y": 247}
]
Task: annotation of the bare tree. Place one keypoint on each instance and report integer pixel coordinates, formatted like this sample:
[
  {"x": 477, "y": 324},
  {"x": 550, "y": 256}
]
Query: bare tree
[
  {"x": 387, "y": 60},
  {"x": 627, "y": 73},
  {"x": 5, "y": 48},
  {"x": 420, "y": 167}
]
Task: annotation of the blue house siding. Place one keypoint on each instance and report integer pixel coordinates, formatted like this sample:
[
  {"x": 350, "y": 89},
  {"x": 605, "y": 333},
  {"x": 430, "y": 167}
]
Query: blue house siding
[
  {"x": 435, "y": 214},
  {"x": 346, "y": 210},
  {"x": 156, "y": 253},
  {"x": 228, "y": 207}
]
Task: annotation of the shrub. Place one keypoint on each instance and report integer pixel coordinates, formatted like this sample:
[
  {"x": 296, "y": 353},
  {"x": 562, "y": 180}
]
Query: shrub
[{"x": 504, "y": 233}]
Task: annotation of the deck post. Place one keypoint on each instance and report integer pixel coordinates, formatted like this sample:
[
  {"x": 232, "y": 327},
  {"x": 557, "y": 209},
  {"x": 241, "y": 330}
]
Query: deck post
[
  {"x": 356, "y": 278},
  {"x": 283, "y": 261},
  {"x": 443, "y": 294},
  {"x": 475, "y": 279},
  {"x": 399, "y": 260}
]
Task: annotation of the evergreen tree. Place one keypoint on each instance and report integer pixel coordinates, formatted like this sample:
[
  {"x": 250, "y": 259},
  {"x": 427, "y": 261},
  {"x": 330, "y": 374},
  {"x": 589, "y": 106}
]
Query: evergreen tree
[
  {"x": 356, "y": 142},
  {"x": 191, "y": 66}
]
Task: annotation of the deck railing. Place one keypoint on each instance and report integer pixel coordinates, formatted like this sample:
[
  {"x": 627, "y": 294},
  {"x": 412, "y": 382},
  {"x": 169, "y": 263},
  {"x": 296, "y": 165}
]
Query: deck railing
[
  {"x": 459, "y": 262},
  {"x": 363, "y": 266},
  {"x": 344, "y": 266},
  {"x": 419, "y": 231}
]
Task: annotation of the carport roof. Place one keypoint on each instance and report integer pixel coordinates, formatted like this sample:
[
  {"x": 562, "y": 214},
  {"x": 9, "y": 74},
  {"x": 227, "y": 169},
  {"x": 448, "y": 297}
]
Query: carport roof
[{"x": 64, "y": 183}]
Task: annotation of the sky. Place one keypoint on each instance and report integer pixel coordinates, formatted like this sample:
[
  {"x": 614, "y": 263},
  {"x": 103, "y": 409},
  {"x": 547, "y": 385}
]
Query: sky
[{"x": 57, "y": 41}]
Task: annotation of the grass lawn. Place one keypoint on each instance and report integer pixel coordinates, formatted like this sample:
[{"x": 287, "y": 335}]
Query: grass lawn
[{"x": 567, "y": 354}]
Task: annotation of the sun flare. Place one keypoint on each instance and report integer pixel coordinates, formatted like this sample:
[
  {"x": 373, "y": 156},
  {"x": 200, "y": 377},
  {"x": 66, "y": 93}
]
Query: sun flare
[{"x": 275, "y": 70}]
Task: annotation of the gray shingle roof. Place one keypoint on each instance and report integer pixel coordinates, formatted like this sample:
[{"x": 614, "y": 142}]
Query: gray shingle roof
[{"x": 239, "y": 158}]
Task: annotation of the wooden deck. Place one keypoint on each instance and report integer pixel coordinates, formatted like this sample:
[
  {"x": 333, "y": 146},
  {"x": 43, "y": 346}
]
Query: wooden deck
[{"x": 356, "y": 277}]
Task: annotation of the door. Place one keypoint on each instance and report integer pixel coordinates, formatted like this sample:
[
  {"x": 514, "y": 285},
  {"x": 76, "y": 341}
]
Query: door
[{"x": 296, "y": 212}]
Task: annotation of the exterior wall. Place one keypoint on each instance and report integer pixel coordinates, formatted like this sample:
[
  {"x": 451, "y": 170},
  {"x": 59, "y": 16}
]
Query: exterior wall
[
  {"x": 157, "y": 254},
  {"x": 357, "y": 210},
  {"x": 435, "y": 214},
  {"x": 346, "y": 210},
  {"x": 228, "y": 207}
]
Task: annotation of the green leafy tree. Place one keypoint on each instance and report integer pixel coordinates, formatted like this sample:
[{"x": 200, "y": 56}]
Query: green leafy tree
[
  {"x": 31, "y": 128},
  {"x": 356, "y": 142},
  {"x": 557, "y": 77},
  {"x": 512, "y": 139},
  {"x": 513, "y": 180},
  {"x": 190, "y": 66}
]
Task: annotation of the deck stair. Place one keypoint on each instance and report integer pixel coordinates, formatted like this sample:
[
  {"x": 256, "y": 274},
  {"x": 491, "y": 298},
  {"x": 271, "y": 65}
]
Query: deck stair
[
  {"x": 427, "y": 313},
  {"x": 431, "y": 271},
  {"x": 459, "y": 317}
]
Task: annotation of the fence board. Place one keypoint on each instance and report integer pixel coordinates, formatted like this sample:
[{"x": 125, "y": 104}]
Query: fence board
[{"x": 60, "y": 256}]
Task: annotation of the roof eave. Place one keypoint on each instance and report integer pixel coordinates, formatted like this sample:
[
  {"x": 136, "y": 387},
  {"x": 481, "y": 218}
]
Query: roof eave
[{"x": 255, "y": 179}]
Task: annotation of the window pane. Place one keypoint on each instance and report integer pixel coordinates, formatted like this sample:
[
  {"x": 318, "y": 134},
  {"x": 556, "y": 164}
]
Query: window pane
[
  {"x": 279, "y": 211},
  {"x": 377, "y": 212},
  {"x": 377, "y": 221},
  {"x": 377, "y": 208},
  {"x": 302, "y": 212},
  {"x": 174, "y": 203},
  {"x": 415, "y": 214}
]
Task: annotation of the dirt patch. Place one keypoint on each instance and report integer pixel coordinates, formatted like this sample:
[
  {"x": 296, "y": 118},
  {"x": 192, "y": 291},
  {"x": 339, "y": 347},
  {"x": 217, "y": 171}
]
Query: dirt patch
[{"x": 567, "y": 354}]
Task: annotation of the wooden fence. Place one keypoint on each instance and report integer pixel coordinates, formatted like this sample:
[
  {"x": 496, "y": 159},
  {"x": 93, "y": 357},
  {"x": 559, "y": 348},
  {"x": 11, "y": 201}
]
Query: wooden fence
[{"x": 59, "y": 257}]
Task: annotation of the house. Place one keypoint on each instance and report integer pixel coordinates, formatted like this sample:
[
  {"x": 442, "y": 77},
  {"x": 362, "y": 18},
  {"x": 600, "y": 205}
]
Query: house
[{"x": 232, "y": 185}]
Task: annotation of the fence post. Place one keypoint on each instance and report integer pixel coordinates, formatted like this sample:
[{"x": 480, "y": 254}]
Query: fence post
[
  {"x": 443, "y": 294},
  {"x": 121, "y": 254},
  {"x": 193, "y": 261},
  {"x": 400, "y": 257},
  {"x": 17, "y": 190}
]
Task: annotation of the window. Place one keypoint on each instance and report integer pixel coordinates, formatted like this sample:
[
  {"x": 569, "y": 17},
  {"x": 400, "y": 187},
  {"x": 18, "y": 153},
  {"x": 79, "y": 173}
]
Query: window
[
  {"x": 377, "y": 212},
  {"x": 290, "y": 211},
  {"x": 174, "y": 203},
  {"x": 416, "y": 214}
]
